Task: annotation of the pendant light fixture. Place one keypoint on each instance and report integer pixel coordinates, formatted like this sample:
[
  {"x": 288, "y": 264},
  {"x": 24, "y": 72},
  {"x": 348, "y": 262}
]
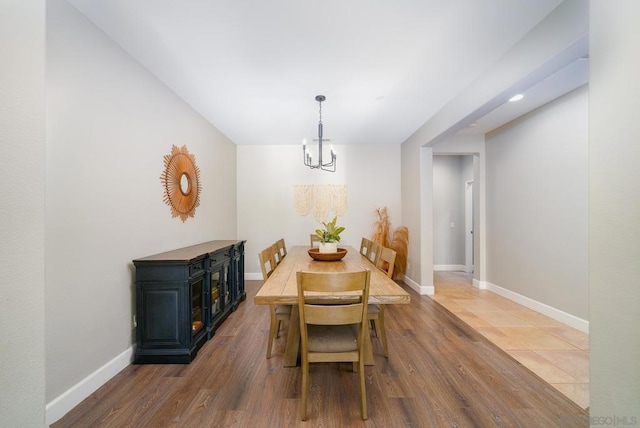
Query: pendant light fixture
[{"x": 308, "y": 158}]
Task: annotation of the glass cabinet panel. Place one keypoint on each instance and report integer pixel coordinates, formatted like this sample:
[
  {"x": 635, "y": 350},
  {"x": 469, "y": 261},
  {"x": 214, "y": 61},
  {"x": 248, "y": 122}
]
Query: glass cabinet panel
[
  {"x": 216, "y": 306},
  {"x": 197, "y": 305}
]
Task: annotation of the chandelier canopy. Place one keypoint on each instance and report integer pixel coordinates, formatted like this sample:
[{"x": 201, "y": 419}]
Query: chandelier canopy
[{"x": 308, "y": 158}]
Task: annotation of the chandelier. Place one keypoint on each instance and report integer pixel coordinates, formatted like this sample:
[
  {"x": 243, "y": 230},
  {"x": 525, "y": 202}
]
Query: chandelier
[{"x": 308, "y": 158}]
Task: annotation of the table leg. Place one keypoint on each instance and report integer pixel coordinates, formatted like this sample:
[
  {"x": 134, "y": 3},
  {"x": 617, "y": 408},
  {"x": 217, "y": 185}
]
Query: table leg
[
  {"x": 292, "y": 347},
  {"x": 368, "y": 347}
]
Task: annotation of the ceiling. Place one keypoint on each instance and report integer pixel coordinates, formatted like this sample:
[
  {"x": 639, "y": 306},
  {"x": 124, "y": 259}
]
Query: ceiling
[{"x": 253, "y": 68}]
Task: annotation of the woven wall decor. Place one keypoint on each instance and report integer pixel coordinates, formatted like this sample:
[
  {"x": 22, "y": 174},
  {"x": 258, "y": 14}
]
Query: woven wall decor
[
  {"x": 321, "y": 199},
  {"x": 181, "y": 181}
]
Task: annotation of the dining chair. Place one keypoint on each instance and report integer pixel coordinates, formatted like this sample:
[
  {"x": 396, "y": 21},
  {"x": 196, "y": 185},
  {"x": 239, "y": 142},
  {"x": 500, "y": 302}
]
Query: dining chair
[
  {"x": 364, "y": 246},
  {"x": 278, "y": 313},
  {"x": 334, "y": 332},
  {"x": 375, "y": 313},
  {"x": 314, "y": 239},
  {"x": 282, "y": 248},
  {"x": 373, "y": 253},
  {"x": 277, "y": 255}
]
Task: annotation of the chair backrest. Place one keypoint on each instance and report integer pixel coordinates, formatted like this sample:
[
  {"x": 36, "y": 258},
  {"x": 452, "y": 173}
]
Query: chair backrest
[
  {"x": 282, "y": 248},
  {"x": 342, "y": 312},
  {"x": 277, "y": 255},
  {"x": 267, "y": 262},
  {"x": 364, "y": 246},
  {"x": 374, "y": 253},
  {"x": 313, "y": 239},
  {"x": 387, "y": 261}
]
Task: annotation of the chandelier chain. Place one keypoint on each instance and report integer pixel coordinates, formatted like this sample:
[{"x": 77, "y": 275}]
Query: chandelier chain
[{"x": 308, "y": 158}]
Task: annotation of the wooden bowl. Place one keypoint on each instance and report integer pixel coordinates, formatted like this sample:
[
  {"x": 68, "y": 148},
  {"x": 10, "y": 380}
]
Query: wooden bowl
[{"x": 327, "y": 257}]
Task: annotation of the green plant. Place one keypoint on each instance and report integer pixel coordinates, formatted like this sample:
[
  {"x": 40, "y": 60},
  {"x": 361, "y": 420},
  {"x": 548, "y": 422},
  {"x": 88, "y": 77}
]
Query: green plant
[{"x": 331, "y": 232}]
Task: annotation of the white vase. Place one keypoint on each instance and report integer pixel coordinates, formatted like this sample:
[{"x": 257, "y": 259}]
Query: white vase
[{"x": 328, "y": 247}]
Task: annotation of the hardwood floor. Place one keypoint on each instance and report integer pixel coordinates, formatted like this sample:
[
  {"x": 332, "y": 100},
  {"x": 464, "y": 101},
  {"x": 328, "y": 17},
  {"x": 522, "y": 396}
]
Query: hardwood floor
[
  {"x": 557, "y": 353},
  {"x": 440, "y": 373}
]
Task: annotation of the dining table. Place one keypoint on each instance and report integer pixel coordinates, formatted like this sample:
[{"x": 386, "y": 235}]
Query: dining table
[{"x": 281, "y": 289}]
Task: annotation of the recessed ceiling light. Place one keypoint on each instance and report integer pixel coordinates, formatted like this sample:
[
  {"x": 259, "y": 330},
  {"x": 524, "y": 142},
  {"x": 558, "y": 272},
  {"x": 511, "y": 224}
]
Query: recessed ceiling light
[{"x": 516, "y": 98}]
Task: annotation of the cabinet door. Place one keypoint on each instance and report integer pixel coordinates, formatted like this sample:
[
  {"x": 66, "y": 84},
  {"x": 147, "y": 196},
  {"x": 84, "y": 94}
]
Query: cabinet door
[
  {"x": 218, "y": 293},
  {"x": 241, "y": 291},
  {"x": 198, "y": 306},
  {"x": 162, "y": 309},
  {"x": 236, "y": 281},
  {"x": 227, "y": 291}
]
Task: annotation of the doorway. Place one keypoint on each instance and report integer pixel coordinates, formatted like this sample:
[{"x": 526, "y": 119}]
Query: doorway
[
  {"x": 453, "y": 201},
  {"x": 468, "y": 220}
]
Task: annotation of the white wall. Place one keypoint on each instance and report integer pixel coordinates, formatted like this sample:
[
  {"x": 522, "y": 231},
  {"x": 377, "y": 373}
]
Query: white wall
[
  {"x": 266, "y": 211},
  {"x": 474, "y": 146},
  {"x": 537, "y": 188},
  {"x": 450, "y": 174},
  {"x": 109, "y": 124},
  {"x": 411, "y": 208},
  {"x": 541, "y": 49},
  {"x": 614, "y": 212},
  {"x": 22, "y": 92}
]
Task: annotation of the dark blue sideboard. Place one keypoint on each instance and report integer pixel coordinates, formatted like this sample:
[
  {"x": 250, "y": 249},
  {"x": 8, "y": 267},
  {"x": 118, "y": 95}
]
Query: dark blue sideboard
[{"x": 182, "y": 297}]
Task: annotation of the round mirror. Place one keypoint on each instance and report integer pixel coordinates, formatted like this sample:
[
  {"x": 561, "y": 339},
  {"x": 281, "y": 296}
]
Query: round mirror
[
  {"x": 181, "y": 181},
  {"x": 185, "y": 184}
]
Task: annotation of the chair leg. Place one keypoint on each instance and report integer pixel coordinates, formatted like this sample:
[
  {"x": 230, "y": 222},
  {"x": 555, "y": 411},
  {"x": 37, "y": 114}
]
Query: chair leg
[
  {"x": 363, "y": 392},
  {"x": 273, "y": 325},
  {"x": 305, "y": 389},
  {"x": 383, "y": 334}
]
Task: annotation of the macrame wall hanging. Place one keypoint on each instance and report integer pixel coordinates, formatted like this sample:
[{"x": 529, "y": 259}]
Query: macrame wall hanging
[
  {"x": 321, "y": 199},
  {"x": 181, "y": 181}
]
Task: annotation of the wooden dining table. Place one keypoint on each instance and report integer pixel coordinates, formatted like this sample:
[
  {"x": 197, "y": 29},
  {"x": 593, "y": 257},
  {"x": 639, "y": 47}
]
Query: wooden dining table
[{"x": 281, "y": 289}]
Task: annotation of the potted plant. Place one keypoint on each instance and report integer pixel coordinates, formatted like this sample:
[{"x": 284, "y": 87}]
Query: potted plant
[{"x": 329, "y": 236}]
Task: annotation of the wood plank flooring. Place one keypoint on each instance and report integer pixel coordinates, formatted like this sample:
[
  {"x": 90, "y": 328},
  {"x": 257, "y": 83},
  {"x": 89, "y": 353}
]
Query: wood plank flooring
[
  {"x": 557, "y": 353},
  {"x": 440, "y": 373}
]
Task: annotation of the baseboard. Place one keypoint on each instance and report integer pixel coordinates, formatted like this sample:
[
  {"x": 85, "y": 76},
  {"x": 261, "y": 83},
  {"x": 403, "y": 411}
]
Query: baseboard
[
  {"x": 253, "y": 276},
  {"x": 420, "y": 289},
  {"x": 551, "y": 312},
  {"x": 482, "y": 285},
  {"x": 61, "y": 405},
  {"x": 449, "y": 268}
]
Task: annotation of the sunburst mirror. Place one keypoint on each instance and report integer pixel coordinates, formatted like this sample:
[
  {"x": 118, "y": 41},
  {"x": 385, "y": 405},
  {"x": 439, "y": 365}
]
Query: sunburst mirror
[{"x": 181, "y": 180}]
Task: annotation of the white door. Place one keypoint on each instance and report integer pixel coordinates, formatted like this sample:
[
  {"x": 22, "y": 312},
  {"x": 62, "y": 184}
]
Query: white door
[{"x": 468, "y": 214}]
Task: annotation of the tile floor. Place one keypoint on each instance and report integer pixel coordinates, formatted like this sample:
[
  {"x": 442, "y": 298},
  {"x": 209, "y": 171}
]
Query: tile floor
[{"x": 555, "y": 352}]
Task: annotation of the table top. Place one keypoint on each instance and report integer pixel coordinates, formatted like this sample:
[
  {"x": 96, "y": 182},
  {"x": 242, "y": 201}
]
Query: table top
[{"x": 281, "y": 287}]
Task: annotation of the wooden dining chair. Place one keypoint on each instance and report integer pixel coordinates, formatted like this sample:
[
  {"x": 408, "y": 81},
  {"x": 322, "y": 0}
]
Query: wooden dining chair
[
  {"x": 386, "y": 261},
  {"x": 277, "y": 255},
  {"x": 282, "y": 248},
  {"x": 333, "y": 332},
  {"x": 278, "y": 313},
  {"x": 364, "y": 246},
  {"x": 314, "y": 239},
  {"x": 375, "y": 313},
  {"x": 374, "y": 252}
]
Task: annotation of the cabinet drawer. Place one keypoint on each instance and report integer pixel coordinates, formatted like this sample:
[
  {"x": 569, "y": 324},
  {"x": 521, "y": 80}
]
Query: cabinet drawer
[
  {"x": 219, "y": 257},
  {"x": 161, "y": 272},
  {"x": 196, "y": 266}
]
